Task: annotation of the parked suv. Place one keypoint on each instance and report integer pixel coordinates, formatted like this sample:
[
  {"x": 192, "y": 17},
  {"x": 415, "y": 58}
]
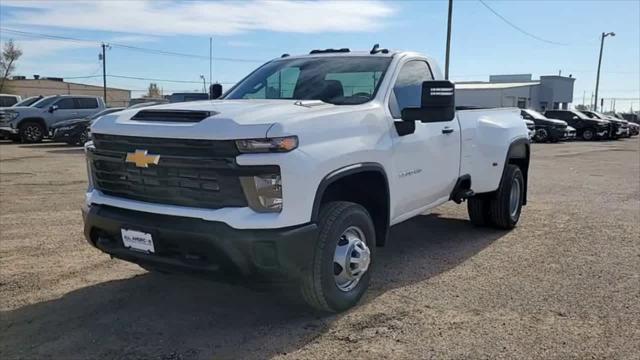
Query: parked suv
[
  {"x": 586, "y": 127},
  {"x": 31, "y": 123},
  {"x": 546, "y": 129},
  {"x": 7, "y": 100},
  {"x": 620, "y": 128}
]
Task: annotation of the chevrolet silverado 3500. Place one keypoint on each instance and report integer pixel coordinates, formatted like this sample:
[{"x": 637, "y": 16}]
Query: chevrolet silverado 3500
[{"x": 298, "y": 171}]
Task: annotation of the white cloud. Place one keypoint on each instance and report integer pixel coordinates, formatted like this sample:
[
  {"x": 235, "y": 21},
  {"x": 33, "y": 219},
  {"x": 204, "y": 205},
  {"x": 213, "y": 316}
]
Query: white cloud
[{"x": 203, "y": 18}]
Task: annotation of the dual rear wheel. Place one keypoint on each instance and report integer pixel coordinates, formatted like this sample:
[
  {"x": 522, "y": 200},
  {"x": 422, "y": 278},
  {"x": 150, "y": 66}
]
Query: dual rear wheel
[{"x": 502, "y": 208}]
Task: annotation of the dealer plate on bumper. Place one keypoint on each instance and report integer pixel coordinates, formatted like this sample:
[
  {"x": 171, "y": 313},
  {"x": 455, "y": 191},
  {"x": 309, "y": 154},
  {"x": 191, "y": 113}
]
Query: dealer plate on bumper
[{"x": 137, "y": 240}]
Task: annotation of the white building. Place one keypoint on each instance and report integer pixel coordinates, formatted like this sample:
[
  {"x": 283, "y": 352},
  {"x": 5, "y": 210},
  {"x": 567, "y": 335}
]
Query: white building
[{"x": 549, "y": 92}]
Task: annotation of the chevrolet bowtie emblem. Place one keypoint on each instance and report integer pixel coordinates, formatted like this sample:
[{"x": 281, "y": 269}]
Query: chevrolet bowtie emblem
[{"x": 142, "y": 159}]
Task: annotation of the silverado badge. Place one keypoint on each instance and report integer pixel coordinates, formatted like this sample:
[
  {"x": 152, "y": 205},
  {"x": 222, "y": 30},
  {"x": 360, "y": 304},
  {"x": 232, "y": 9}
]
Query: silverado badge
[{"x": 142, "y": 159}]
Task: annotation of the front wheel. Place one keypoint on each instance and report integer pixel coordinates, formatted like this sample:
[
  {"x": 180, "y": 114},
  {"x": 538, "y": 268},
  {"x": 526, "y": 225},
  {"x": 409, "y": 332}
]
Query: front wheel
[
  {"x": 541, "y": 135},
  {"x": 588, "y": 134},
  {"x": 32, "y": 132},
  {"x": 343, "y": 254}
]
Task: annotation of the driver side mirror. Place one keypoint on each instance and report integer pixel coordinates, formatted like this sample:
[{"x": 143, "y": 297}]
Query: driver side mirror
[
  {"x": 53, "y": 108},
  {"x": 215, "y": 91},
  {"x": 437, "y": 103}
]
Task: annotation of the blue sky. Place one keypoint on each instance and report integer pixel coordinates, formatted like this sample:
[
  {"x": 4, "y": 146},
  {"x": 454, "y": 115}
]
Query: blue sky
[{"x": 255, "y": 31}]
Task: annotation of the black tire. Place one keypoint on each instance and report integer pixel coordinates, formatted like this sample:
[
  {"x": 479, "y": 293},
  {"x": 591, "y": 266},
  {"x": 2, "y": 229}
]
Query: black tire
[
  {"x": 319, "y": 287},
  {"x": 542, "y": 135},
  {"x": 478, "y": 209},
  {"x": 31, "y": 132},
  {"x": 588, "y": 134},
  {"x": 500, "y": 211},
  {"x": 83, "y": 137}
]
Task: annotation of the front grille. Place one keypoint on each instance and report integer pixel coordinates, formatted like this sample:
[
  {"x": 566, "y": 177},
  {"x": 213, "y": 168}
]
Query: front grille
[{"x": 194, "y": 173}]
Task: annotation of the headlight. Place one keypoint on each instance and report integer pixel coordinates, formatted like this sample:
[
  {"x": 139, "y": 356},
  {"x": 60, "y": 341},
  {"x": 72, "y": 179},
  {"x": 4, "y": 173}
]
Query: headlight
[
  {"x": 263, "y": 192},
  {"x": 279, "y": 144},
  {"x": 11, "y": 115}
]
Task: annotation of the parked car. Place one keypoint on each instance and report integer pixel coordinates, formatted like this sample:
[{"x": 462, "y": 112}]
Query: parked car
[
  {"x": 28, "y": 101},
  {"x": 76, "y": 131},
  {"x": 586, "y": 127},
  {"x": 531, "y": 126},
  {"x": 300, "y": 180},
  {"x": 7, "y": 100},
  {"x": 32, "y": 123},
  {"x": 546, "y": 129},
  {"x": 634, "y": 129},
  {"x": 620, "y": 126}
]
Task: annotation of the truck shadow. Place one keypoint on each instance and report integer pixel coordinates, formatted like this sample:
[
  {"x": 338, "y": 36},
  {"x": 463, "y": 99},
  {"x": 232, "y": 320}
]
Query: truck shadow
[{"x": 175, "y": 317}]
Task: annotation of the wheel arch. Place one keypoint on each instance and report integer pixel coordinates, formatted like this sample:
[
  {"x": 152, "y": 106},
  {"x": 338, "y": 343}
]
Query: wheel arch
[
  {"x": 363, "y": 183},
  {"x": 33, "y": 119},
  {"x": 519, "y": 154}
]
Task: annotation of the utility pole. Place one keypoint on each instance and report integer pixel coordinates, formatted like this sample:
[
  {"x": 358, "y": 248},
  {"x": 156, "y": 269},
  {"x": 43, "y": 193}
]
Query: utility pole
[
  {"x": 604, "y": 35},
  {"x": 210, "y": 60},
  {"x": 104, "y": 72},
  {"x": 584, "y": 93},
  {"x": 446, "y": 61}
]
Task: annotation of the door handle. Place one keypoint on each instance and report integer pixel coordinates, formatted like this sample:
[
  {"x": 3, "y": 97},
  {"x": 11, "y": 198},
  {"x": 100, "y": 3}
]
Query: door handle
[{"x": 447, "y": 130}]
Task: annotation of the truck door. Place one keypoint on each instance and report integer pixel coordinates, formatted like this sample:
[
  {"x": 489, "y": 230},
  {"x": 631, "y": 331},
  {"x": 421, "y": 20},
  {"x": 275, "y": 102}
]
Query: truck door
[
  {"x": 66, "y": 109},
  {"x": 426, "y": 162}
]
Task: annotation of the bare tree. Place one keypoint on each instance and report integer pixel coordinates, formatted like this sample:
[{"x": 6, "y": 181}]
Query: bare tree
[{"x": 10, "y": 54}]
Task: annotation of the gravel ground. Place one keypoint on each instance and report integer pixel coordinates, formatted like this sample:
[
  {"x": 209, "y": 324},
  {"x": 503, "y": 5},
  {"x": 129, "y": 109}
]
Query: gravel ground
[{"x": 564, "y": 284}]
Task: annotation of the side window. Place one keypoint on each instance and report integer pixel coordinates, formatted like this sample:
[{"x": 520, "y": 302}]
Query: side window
[
  {"x": 65, "y": 104},
  {"x": 86, "y": 103},
  {"x": 407, "y": 91}
]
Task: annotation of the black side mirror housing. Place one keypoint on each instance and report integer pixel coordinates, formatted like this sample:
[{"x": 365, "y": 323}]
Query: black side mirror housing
[
  {"x": 53, "y": 108},
  {"x": 437, "y": 103},
  {"x": 215, "y": 91}
]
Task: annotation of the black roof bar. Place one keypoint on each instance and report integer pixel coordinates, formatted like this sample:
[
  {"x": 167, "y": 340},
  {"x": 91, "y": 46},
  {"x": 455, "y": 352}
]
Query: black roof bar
[
  {"x": 376, "y": 49},
  {"x": 328, "y": 51}
]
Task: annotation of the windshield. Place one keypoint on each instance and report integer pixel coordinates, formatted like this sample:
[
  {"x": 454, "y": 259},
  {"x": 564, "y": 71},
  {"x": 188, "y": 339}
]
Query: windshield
[
  {"x": 581, "y": 114},
  {"x": 28, "y": 101},
  {"x": 335, "y": 80},
  {"x": 45, "y": 102},
  {"x": 534, "y": 114}
]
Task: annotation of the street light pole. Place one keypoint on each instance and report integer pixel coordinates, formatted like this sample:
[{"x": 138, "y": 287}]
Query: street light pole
[
  {"x": 604, "y": 35},
  {"x": 446, "y": 61}
]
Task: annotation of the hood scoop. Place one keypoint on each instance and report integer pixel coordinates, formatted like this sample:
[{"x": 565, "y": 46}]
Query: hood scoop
[{"x": 177, "y": 116}]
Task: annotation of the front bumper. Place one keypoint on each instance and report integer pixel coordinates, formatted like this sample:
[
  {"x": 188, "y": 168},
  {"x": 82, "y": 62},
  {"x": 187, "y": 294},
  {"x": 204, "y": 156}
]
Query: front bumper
[
  {"x": 65, "y": 135},
  {"x": 8, "y": 130},
  {"x": 602, "y": 133},
  {"x": 198, "y": 246}
]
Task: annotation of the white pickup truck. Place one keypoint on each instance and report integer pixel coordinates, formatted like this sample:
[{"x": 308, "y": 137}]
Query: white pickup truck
[{"x": 299, "y": 170}]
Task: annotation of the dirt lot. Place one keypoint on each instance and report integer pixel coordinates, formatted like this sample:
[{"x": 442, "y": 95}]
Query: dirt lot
[{"x": 564, "y": 284}]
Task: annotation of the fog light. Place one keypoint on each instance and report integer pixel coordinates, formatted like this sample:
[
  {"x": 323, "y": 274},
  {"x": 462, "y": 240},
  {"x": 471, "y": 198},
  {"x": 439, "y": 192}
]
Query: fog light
[{"x": 263, "y": 192}]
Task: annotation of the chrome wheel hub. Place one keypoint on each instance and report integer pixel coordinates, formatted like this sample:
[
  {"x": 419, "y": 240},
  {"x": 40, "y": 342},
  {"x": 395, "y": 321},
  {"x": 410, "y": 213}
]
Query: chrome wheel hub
[
  {"x": 32, "y": 132},
  {"x": 514, "y": 198},
  {"x": 351, "y": 258}
]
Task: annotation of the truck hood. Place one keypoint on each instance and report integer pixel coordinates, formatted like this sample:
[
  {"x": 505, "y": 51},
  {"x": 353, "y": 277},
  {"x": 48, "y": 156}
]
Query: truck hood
[
  {"x": 230, "y": 119},
  {"x": 23, "y": 109}
]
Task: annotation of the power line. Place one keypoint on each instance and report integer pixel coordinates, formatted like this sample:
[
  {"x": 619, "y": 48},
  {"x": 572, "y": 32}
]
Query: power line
[
  {"x": 519, "y": 28},
  {"x": 127, "y": 47}
]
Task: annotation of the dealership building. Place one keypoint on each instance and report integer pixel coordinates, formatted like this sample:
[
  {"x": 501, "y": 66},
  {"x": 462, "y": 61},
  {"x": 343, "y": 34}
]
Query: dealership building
[
  {"x": 520, "y": 90},
  {"x": 45, "y": 86}
]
